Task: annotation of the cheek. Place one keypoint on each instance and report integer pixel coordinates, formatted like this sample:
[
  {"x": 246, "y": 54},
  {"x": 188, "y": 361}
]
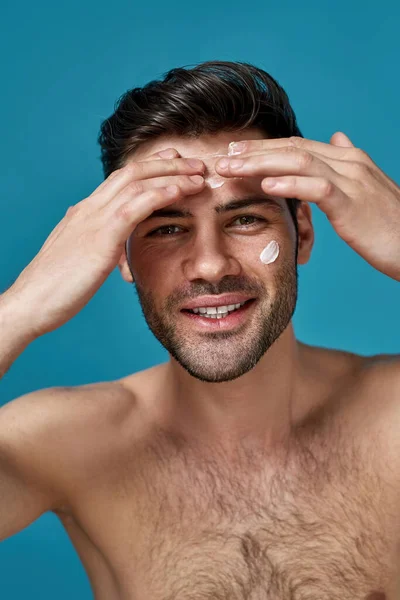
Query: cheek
[
  {"x": 147, "y": 257},
  {"x": 144, "y": 263}
]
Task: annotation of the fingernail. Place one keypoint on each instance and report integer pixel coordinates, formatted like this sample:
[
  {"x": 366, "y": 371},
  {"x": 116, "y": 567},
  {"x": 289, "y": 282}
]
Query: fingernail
[
  {"x": 236, "y": 148},
  {"x": 169, "y": 153},
  {"x": 196, "y": 179},
  {"x": 195, "y": 163},
  {"x": 236, "y": 164},
  {"x": 223, "y": 163}
]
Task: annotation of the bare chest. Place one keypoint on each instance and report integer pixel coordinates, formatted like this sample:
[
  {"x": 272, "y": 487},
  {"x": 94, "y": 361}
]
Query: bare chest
[{"x": 321, "y": 524}]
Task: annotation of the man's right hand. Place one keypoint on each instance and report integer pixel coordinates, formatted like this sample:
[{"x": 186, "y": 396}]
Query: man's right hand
[{"x": 86, "y": 245}]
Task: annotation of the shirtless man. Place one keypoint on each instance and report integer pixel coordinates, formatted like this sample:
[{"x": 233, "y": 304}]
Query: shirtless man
[{"x": 250, "y": 465}]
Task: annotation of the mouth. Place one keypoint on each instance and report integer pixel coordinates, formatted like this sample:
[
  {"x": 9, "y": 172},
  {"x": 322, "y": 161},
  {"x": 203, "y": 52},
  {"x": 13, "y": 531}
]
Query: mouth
[{"x": 220, "y": 318}]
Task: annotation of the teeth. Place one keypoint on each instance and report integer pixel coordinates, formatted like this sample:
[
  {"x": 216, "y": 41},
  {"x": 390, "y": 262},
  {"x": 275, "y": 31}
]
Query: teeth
[{"x": 217, "y": 312}]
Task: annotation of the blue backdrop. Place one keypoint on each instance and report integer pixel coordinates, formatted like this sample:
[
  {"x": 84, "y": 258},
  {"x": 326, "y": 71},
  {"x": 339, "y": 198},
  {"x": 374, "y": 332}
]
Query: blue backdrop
[{"x": 66, "y": 65}]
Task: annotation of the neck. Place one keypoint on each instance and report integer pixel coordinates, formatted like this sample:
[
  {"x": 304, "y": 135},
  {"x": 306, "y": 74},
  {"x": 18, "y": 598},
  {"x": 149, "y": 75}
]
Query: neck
[{"x": 258, "y": 406}]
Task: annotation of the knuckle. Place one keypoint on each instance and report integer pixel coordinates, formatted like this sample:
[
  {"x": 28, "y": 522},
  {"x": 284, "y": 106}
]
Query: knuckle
[
  {"x": 134, "y": 168},
  {"x": 72, "y": 210},
  {"x": 304, "y": 159},
  {"x": 157, "y": 194},
  {"x": 136, "y": 186},
  {"x": 114, "y": 174},
  {"x": 173, "y": 166},
  {"x": 290, "y": 149},
  {"x": 154, "y": 198},
  {"x": 361, "y": 155},
  {"x": 295, "y": 141},
  {"x": 359, "y": 170},
  {"x": 326, "y": 187},
  {"x": 124, "y": 211}
]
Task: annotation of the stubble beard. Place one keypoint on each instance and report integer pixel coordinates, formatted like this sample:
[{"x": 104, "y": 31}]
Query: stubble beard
[{"x": 225, "y": 356}]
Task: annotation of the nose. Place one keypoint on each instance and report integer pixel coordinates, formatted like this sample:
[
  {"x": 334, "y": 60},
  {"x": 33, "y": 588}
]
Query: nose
[{"x": 211, "y": 260}]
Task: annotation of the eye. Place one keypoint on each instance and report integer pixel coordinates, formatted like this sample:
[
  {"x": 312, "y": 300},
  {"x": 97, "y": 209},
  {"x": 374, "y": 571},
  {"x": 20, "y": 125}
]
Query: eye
[
  {"x": 249, "y": 217},
  {"x": 165, "y": 230},
  {"x": 168, "y": 230}
]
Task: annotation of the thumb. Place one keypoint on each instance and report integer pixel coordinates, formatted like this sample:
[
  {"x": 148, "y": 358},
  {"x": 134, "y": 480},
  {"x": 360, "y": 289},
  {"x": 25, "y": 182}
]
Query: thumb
[{"x": 340, "y": 139}]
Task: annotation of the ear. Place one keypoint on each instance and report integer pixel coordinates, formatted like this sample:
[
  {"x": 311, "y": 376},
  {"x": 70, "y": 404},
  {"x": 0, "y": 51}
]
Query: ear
[
  {"x": 124, "y": 268},
  {"x": 306, "y": 233}
]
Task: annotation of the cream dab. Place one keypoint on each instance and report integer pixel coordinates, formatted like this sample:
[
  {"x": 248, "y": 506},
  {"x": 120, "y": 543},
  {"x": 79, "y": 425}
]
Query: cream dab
[
  {"x": 270, "y": 253},
  {"x": 211, "y": 177}
]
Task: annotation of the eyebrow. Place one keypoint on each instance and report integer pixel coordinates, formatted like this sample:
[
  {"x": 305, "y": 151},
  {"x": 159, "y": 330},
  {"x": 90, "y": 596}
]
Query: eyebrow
[{"x": 235, "y": 204}]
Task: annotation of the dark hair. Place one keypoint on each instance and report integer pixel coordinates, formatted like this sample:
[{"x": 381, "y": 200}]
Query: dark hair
[{"x": 211, "y": 97}]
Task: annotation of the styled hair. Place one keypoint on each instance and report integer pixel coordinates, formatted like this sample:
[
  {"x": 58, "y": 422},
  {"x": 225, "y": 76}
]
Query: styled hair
[{"x": 213, "y": 96}]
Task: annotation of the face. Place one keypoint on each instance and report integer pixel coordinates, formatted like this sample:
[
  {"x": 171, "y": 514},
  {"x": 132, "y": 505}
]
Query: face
[{"x": 176, "y": 260}]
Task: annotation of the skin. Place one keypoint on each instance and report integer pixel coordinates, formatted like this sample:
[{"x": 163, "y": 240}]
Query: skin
[
  {"x": 216, "y": 387},
  {"x": 212, "y": 384},
  {"x": 361, "y": 202},
  {"x": 170, "y": 446},
  {"x": 151, "y": 463}
]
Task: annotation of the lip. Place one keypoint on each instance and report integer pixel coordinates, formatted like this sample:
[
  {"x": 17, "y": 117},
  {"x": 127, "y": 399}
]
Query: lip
[
  {"x": 224, "y": 300},
  {"x": 232, "y": 321}
]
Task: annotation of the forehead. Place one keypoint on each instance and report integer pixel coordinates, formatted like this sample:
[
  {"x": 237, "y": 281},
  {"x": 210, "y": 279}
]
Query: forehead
[
  {"x": 218, "y": 190},
  {"x": 205, "y": 144}
]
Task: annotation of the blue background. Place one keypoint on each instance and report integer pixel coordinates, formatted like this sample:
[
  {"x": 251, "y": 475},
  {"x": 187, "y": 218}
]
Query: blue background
[{"x": 65, "y": 67}]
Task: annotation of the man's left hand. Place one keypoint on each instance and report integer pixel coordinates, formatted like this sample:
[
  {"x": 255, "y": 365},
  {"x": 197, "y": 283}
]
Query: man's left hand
[{"x": 359, "y": 199}]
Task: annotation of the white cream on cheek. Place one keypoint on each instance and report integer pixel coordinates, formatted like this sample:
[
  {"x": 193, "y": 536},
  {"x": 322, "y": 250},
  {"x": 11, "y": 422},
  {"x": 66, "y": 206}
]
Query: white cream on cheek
[{"x": 270, "y": 253}]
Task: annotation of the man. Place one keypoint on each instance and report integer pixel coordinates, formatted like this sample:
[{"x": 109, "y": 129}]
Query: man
[{"x": 250, "y": 465}]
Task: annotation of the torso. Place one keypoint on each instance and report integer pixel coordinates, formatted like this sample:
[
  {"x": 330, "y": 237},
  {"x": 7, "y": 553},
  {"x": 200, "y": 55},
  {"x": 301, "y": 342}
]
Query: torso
[{"x": 162, "y": 521}]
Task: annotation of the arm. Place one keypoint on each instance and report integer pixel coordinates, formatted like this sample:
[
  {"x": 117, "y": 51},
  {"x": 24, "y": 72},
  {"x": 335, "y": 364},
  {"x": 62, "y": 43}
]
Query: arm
[
  {"x": 15, "y": 332},
  {"x": 52, "y": 443},
  {"x": 29, "y": 464}
]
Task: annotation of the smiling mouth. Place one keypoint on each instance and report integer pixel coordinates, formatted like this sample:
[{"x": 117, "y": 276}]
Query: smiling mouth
[{"x": 220, "y": 312}]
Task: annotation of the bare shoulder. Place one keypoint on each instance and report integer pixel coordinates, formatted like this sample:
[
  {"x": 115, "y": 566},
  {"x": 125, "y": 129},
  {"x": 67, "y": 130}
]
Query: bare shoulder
[
  {"x": 77, "y": 401},
  {"x": 65, "y": 431},
  {"x": 94, "y": 417},
  {"x": 375, "y": 410},
  {"x": 342, "y": 363},
  {"x": 382, "y": 389},
  {"x": 381, "y": 375},
  {"x": 102, "y": 419},
  {"x": 374, "y": 380},
  {"x": 364, "y": 393},
  {"x": 354, "y": 384}
]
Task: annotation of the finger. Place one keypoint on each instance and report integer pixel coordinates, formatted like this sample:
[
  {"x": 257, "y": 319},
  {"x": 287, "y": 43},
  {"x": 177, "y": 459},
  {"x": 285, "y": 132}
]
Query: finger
[
  {"x": 279, "y": 163},
  {"x": 342, "y": 167},
  {"x": 163, "y": 154},
  {"x": 125, "y": 214},
  {"x": 328, "y": 150},
  {"x": 327, "y": 195},
  {"x": 188, "y": 184},
  {"x": 135, "y": 208},
  {"x": 136, "y": 171},
  {"x": 167, "y": 153}
]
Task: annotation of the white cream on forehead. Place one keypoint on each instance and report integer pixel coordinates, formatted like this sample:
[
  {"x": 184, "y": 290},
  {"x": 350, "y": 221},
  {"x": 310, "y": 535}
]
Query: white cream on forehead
[
  {"x": 213, "y": 179},
  {"x": 270, "y": 253}
]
